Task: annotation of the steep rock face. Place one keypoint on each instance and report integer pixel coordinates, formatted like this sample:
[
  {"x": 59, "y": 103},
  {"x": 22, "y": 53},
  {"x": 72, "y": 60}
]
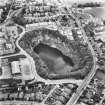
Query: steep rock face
[{"x": 50, "y": 59}]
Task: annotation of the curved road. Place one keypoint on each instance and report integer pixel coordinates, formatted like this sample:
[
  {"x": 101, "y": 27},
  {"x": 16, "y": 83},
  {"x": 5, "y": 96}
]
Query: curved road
[
  {"x": 87, "y": 80},
  {"x": 25, "y": 53},
  {"x": 80, "y": 90}
]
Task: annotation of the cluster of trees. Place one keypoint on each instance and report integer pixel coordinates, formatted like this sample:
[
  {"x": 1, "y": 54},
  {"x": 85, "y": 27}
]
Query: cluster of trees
[
  {"x": 85, "y": 61},
  {"x": 86, "y": 58},
  {"x": 19, "y": 20},
  {"x": 5, "y": 10},
  {"x": 92, "y": 4},
  {"x": 41, "y": 68},
  {"x": 27, "y": 38},
  {"x": 18, "y": 17}
]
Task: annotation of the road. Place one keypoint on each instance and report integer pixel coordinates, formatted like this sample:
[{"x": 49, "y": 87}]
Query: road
[
  {"x": 22, "y": 52},
  {"x": 87, "y": 80},
  {"x": 25, "y": 53},
  {"x": 80, "y": 90}
]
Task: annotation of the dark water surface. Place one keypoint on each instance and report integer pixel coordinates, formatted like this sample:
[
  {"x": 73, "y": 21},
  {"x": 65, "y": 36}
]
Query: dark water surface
[
  {"x": 97, "y": 12},
  {"x": 54, "y": 59}
]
